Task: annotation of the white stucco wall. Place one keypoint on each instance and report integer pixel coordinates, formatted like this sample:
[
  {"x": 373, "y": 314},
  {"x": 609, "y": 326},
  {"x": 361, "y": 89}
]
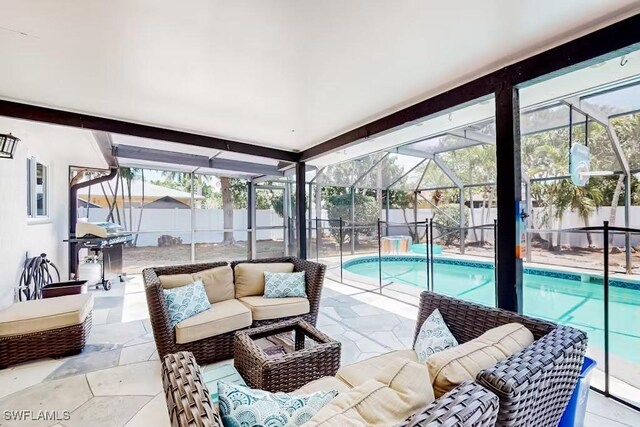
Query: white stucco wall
[{"x": 58, "y": 147}]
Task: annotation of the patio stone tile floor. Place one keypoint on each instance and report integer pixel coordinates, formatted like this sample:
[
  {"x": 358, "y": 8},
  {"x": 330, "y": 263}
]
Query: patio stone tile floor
[{"x": 116, "y": 380}]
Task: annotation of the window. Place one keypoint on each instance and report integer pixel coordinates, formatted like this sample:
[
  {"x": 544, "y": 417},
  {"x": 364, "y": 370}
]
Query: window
[{"x": 37, "y": 189}]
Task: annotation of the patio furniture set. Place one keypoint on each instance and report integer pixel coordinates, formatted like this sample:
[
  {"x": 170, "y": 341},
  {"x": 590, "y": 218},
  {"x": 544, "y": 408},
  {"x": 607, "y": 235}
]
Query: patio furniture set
[{"x": 532, "y": 386}]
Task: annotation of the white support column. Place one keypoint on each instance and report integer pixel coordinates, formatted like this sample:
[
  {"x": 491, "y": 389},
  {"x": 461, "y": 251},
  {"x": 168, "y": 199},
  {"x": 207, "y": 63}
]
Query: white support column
[
  {"x": 193, "y": 220},
  {"x": 353, "y": 220},
  {"x": 309, "y": 217},
  {"x": 253, "y": 233},
  {"x": 463, "y": 231},
  {"x": 287, "y": 217},
  {"x": 527, "y": 190}
]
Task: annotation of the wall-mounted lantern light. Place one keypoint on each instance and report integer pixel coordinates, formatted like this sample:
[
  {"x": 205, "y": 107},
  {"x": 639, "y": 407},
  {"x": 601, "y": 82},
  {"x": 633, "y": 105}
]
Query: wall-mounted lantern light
[{"x": 8, "y": 144}]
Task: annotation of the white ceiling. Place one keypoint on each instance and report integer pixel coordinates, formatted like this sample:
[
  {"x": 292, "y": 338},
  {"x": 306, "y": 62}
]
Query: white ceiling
[{"x": 287, "y": 74}]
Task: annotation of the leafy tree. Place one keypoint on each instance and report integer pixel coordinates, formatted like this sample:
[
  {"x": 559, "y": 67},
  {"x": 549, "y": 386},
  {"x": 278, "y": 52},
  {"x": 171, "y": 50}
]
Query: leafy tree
[
  {"x": 276, "y": 202},
  {"x": 365, "y": 213},
  {"x": 475, "y": 164},
  {"x": 330, "y": 191}
]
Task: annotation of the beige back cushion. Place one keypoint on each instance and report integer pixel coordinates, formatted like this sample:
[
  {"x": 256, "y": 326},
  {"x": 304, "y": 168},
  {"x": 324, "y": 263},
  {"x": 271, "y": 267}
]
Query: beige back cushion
[
  {"x": 168, "y": 281},
  {"x": 359, "y": 372},
  {"x": 250, "y": 276},
  {"x": 397, "y": 392},
  {"x": 451, "y": 367},
  {"x": 217, "y": 281}
]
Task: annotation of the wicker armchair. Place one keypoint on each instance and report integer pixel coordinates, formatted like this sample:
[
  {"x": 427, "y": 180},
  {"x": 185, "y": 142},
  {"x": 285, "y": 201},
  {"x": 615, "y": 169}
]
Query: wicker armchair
[
  {"x": 188, "y": 402},
  {"x": 218, "y": 347},
  {"x": 534, "y": 385}
]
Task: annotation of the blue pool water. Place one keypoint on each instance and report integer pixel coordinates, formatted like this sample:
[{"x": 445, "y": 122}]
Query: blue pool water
[
  {"x": 421, "y": 248},
  {"x": 560, "y": 297}
]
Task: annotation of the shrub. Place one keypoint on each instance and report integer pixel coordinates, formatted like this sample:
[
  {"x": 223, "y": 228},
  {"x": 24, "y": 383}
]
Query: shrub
[
  {"x": 365, "y": 212},
  {"x": 446, "y": 223}
]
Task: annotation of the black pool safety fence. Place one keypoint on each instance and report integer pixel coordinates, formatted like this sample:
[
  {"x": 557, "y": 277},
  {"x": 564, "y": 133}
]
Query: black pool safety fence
[
  {"x": 331, "y": 239},
  {"x": 339, "y": 243},
  {"x": 608, "y": 233}
]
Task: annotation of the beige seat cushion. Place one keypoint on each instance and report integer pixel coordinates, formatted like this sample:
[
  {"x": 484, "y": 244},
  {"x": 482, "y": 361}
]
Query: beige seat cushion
[
  {"x": 325, "y": 384},
  {"x": 275, "y": 308},
  {"x": 357, "y": 373},
  {"x": 45, "y": 314},
  {"x": 249, "y": 277},
  {"x": 220, "y": 318},
  {"x": 451, "y": 367},
  {"x": 217, "y": 281},
  {"x": 398, "y": 391}
]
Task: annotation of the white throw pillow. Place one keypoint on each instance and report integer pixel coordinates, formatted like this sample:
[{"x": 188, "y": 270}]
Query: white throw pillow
[{"x": 434, "y": 336}]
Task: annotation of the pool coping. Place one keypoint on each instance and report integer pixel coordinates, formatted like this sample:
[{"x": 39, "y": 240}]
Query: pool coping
[{"x": 560, "y": 272}]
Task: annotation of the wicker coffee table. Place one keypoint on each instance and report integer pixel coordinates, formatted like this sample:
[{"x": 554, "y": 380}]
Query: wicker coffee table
[{"x": 309, "y": 355}]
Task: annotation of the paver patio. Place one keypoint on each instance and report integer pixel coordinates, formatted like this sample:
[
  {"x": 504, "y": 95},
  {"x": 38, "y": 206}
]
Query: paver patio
[{"x": 116, "y": 380}]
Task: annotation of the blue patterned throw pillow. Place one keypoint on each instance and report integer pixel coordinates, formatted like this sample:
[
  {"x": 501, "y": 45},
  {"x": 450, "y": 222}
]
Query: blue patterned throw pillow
[
  {"x": 281, "y": 285},
  {"x": 186, "y": 301},
  {"x": 242, "y": 406},
  {"x": 434, "y": 336}
]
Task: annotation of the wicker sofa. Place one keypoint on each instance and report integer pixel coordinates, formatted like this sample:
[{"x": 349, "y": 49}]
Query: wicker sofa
[
  {"x": 189, "y": 404},
  {"x": 220, "y": 346},
  {"x": 530, "y": 388},
  {"x": 534, "y": 385}
]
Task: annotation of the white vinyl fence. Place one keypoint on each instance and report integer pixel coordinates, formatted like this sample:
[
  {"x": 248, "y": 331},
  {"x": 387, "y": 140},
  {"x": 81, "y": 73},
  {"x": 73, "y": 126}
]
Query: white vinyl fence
[
  {"x": 570, "y": 220},
  {"x": 209, "y": 224},
  {"x": 177, "y": 223}
]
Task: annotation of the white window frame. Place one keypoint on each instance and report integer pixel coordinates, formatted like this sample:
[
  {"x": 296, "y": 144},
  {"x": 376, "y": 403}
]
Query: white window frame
[{"x": 32, "y": 191}]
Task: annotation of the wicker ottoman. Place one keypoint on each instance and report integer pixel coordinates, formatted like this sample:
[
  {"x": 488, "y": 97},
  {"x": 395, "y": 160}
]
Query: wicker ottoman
[{"x": 310, "y": 355}]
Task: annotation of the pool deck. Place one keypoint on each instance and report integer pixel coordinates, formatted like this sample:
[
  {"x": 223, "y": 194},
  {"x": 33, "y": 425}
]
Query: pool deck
[
  {"x": 116, "y": 380},
  {"x": 334, "y": 261}
]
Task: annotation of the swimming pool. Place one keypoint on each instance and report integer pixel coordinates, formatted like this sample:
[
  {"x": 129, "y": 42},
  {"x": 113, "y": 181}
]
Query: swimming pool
[{"x": 561, "y": 297}]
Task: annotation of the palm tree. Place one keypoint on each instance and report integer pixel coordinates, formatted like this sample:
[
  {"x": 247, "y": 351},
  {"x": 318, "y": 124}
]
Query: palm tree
[
  {"x": 135, "y": 241},
  {"x": 560, "y": 199},
  {"x": 129, "y": 175},
  {"x": 227, "y": 209},
  {"x": 585, "y": 200},
  {"x": 614, "y": 204},
  {"x": 549, "y": 158}
]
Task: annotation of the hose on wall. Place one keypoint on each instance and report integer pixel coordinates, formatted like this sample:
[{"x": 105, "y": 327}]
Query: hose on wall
[{"x": 36, "y": 273}]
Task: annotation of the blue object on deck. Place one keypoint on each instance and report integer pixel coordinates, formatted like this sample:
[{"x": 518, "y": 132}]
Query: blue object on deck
[
  {"x": 421, "y": 248},
  {"x": 226, "y": 373},
  {"x": 575, "y": 411}
]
